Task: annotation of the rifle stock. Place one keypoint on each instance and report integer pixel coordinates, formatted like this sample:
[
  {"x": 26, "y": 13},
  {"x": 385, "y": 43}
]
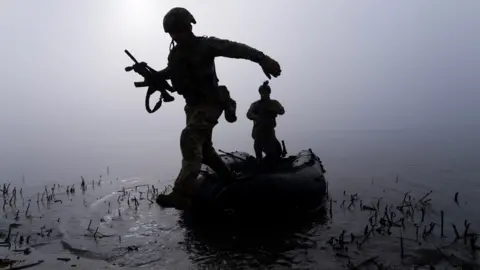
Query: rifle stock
[{"x": 141, "y": 84}]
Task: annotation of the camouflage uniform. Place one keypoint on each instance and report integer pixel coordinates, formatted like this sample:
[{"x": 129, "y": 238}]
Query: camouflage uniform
[
  {"x": 263, "y": 114},
  {"x": 191, "y": 69}
]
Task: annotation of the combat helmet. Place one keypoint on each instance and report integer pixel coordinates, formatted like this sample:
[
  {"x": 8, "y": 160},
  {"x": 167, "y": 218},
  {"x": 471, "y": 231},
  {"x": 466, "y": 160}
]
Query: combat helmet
[
  {"x": 176, "y": 19},
  {"x": 265, "y": 87}
]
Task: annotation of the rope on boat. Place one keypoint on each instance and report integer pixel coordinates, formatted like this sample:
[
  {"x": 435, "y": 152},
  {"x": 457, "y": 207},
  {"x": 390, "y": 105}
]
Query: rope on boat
[{"x": 231, "y": 155}]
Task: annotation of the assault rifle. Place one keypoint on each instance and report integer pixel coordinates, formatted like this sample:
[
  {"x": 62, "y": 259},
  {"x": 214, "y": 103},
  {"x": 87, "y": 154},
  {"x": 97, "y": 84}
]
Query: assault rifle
[{"x": 151, "y": 81}]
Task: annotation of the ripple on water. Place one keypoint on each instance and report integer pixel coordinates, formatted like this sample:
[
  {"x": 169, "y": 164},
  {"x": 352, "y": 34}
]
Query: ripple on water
[{"x": 148, "y": 236}]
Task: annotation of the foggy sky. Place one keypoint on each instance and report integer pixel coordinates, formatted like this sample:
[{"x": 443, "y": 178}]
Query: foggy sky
[{"x": 67, "y": 101}]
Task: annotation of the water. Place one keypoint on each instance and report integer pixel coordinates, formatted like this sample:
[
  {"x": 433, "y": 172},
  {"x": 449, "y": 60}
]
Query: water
[{"x": 373, "y": 164}]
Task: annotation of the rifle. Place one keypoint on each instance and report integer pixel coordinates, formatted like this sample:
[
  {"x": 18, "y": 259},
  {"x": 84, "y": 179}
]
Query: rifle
[{"x": 153, "y": 84}]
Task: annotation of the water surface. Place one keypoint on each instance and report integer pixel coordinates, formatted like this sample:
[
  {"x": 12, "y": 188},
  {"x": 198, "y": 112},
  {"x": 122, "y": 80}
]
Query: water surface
[{"x": 372, "y": 164}]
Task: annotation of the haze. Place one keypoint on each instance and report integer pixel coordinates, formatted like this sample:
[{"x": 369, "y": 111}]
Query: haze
[{"x": 68, "y": 108}]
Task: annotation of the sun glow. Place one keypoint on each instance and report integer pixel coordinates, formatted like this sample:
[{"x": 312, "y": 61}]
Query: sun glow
[{"x": 144, "y": 15}]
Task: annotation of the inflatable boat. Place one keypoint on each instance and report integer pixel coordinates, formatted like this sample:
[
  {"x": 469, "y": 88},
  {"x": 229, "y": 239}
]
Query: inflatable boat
[{"x": 292, "y": 185}]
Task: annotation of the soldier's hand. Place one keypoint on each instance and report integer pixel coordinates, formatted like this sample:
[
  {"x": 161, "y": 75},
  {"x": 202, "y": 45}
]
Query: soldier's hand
[
  {"x": 270, "y": 67},
  {"x": 160, "y": 81},
  {"x": 140, "y": 68}
]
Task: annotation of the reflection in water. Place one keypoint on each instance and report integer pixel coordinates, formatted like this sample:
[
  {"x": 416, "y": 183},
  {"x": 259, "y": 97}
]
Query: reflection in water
[
  {"x": 148, "y": 236},
  {"x": 233, "y": 243}
]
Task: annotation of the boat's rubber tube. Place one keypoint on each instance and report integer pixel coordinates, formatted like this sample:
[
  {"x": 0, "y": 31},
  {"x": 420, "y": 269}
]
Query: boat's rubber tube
[{"x": 297, "y": 184}]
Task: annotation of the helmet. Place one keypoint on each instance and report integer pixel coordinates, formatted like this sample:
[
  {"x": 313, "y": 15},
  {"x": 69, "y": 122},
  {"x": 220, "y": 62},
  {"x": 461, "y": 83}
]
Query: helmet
[
  {"x": 176, "y": 19},
  {"x": 265, "y": 87}
]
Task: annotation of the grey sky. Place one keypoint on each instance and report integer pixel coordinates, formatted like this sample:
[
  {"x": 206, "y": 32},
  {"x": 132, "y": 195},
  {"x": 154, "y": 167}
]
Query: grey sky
[{"x": 346, "y": 65}]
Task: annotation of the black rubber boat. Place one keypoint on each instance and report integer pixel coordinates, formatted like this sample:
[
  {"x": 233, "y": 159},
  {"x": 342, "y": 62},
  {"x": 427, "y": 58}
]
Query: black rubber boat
[{"x": 294, "y": 185}]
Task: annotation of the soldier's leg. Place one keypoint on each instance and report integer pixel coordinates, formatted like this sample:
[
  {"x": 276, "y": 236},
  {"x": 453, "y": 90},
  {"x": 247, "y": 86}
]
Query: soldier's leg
[
  {"x": 257, "y": 146},
  {"x": 213, "y": 160},
  {"x": 191, "y": 145},
  {"x": 196, "y": 146},
  {"x": 277, "y": 148},
  {"x": 210, "y": 156},
  {"x": 273, "y": 148}
]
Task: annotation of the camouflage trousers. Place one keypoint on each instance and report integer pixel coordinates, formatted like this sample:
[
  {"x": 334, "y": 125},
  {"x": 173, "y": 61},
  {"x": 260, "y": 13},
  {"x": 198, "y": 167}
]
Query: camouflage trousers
[
  {"x": 197, "y": 147},
  {"x": 265, "y": 141}
]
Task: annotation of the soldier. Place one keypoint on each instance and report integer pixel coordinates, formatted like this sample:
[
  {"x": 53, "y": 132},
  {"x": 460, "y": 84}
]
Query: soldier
[
  {"x": 263, "y": 113},
  {"x": 191, "y": 69}
]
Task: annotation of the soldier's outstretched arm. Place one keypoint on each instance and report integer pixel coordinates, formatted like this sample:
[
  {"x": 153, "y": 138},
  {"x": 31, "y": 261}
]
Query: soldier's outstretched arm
[{"x": 232, "y": 49}]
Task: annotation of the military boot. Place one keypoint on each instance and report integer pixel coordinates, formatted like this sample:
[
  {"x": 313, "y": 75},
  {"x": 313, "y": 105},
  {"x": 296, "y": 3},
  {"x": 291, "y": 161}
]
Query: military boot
[{"x": 175, "y": 199}]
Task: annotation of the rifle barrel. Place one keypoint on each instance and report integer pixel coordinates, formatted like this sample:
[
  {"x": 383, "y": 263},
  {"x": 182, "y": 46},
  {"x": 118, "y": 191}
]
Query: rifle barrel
[{"x": 131, "y": 56}]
